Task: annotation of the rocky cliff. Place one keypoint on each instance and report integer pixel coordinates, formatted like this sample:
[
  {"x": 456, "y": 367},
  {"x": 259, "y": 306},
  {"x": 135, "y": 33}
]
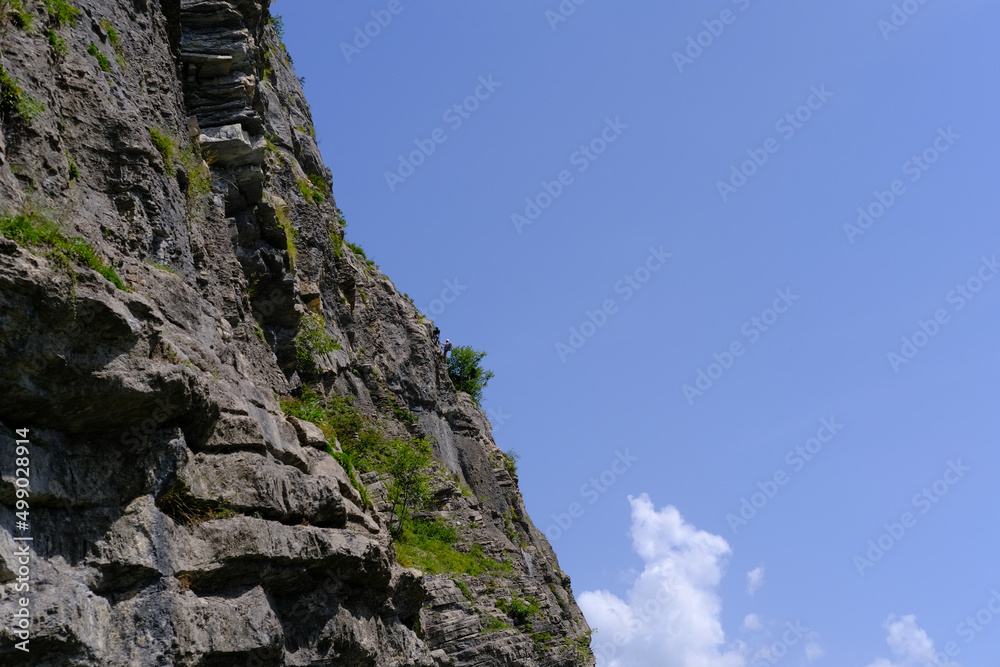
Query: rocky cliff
[{"x": 185, "y": 339}]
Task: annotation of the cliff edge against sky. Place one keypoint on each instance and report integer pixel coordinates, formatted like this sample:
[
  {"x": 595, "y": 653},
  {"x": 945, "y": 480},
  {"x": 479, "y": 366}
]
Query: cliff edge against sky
[{"x": 185, "y": 335}]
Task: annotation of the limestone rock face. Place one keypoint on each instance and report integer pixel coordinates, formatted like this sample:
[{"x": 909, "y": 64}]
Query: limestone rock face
[{"x": 176, "y": 515}]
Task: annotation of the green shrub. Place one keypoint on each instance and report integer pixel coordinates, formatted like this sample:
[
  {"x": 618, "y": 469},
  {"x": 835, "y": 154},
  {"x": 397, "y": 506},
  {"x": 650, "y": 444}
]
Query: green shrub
[
  {"x": 312, "y": 341},
  {"x": 466, "y": 372},
  {"x": 318, "y": 182},
  {"x": 279, "y": 26},
  {"x": 102, "y": 60},
  {"x": 58, "y": 43},
  {"x": 15, "y": 103},
  {"x": 61, "y": 12},
  {"x": 18, "y": 12},
  {"x": 520, "y": 611},
  {"x": 409, "y": 488},
  {"x": 310, "y": 191},
  {"x": 356, "y": 249},
  {"x": 404, "y": 415},
  {"x": 31, "y": 230},
  {"x": 510, "y": 459}
]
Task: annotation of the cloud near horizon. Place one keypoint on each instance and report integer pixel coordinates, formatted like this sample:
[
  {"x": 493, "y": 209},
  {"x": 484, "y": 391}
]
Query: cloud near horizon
[
  {"x": 670, "y": 615},
  {"x": 910, "y": 645}
]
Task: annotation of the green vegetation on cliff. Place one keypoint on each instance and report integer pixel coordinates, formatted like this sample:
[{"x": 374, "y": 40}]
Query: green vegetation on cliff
[
  {"x": 33, "y": 231},
  {"x": 313, "y": 341},
  {"x": 429, "y": 546},
  {"x": 466, "y": 372},
  {"x": 406, "y": 467},
  {"x": 15, "y": 102}
]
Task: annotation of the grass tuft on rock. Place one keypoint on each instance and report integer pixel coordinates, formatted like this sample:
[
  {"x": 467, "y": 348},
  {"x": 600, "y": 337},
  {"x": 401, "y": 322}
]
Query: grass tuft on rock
[
  {"x": 164, "y": 144},
  {"x": 58, "y": 43},
  {"x": 62, "y": 13},
  {"x": 429, "y": 546},
  {"x": 15, "y": 102},
  {"x": 102, "y": 59},
  {"x": 17, "y": 12},
  {"x": 179, "y": 505},
  {"x": 33, "y": 231},
  {"x": 311, "y": 191},
  {"x": 116, "y": 42}
]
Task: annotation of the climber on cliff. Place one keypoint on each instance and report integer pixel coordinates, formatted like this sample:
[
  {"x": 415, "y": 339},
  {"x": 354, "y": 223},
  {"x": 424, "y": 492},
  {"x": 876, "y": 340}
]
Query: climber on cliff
[{"x": 446, "y": 348}]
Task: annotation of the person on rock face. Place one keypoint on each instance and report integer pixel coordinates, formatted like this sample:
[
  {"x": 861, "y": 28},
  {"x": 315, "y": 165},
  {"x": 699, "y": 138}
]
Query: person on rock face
[{"x": 446, "y": 348}]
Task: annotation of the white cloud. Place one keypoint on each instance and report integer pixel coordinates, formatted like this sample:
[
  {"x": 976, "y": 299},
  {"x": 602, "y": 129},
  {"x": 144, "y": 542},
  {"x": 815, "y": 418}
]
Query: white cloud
[
  {"x": 670, "y": 617},
  {"x": 755, "y": 579},
  {"x": 813, "y": 651},
  {"x": 752, "y": 622},
  {"x": 910, "y": 645}
]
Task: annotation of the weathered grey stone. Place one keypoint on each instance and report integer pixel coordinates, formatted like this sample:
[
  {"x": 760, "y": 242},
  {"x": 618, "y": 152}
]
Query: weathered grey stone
[
  {"x": 231, "y": 146},
  {"x": 450, "y": 626},
  {"x": 226, "y": 628},
  {"x": 250, "y": 180},
  {"x": 209, "y": 65},
  {"x": 309, "y": 434},
  {"x": 178, "y": 517},
  {"x": 250, "y": 483}
]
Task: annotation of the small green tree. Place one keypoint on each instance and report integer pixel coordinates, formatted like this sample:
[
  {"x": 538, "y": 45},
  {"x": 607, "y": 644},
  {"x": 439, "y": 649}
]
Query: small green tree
[
  {"x": 409, "y": 488},
  {"x": 466, "y": 373}
]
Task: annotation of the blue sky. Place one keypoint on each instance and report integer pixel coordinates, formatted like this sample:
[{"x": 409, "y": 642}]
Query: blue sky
[{"x": 747, "y": 164}]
